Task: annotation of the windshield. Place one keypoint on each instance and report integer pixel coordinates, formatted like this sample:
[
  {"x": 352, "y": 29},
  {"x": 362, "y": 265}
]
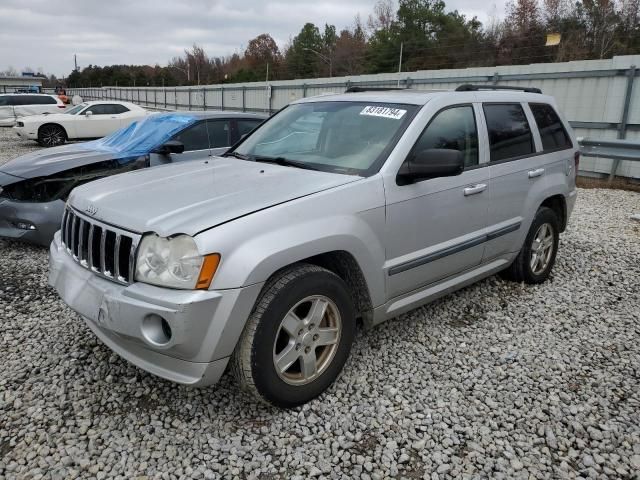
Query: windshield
[
  {"x": 76, "y": 109},
  {"x": 341, "y": 137}
]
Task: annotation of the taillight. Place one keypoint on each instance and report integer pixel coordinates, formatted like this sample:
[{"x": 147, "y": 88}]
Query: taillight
[{"x": 576, "y": 158}]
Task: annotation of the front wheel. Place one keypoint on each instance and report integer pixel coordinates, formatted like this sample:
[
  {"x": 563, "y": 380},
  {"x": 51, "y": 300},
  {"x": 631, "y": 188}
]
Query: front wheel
[
  {"x": 51, "y": 135},
  {"x": 538, "y": 254},
  {"x": 297, "y": 338}
]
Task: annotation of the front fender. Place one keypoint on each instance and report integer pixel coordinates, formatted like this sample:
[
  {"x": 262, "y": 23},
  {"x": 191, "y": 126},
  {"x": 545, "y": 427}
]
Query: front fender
[
  {"x": 257, "y": 258},
  {"x": 254, "y": 247}
]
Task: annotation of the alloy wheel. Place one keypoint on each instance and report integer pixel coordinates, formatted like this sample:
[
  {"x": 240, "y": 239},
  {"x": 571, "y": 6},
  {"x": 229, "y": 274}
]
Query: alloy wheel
[
  {"x": 307, "y": 340},
  {"x": 51, "y": 136},
  {"x": 542, "y": 249}
]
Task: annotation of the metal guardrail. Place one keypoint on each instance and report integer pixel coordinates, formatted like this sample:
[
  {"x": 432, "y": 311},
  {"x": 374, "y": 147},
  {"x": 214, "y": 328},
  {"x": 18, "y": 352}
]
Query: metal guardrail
[
  {"x": 618, "y": 150},
  {"x": 157, "y": 96}
]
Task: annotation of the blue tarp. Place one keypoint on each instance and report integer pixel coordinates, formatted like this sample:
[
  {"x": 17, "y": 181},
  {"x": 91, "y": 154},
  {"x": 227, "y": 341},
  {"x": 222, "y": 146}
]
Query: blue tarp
[{"x": 142, "y": 136}]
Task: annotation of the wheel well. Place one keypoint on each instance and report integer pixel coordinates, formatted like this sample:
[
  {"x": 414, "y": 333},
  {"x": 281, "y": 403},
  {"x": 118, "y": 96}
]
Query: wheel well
[
  {"x": 66, "y": 136},
  {"x": 344, "y": 265},
  {"x": 558, "y": 204}
]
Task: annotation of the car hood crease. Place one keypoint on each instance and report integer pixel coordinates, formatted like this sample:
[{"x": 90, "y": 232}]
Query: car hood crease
[
  {"x": 49, "y": 161},
  {"x": 195, "y": 196}
]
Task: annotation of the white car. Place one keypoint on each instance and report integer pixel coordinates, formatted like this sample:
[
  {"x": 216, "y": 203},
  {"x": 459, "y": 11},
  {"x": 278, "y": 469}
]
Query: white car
[
  {"x": 87, "y": 120},
  {"x": 14, "y": 105}
]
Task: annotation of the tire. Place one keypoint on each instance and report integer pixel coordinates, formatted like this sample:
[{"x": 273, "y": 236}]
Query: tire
[
  {"x": 51, "y": 135},
  {"x": 535, "y": 261},
  {"x": 267, "y": 338}
]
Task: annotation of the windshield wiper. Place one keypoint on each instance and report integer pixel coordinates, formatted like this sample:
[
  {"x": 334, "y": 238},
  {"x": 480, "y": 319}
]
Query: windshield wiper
[
  {"x": 284, "y": 162},
  {"x": 236, "y": 155}
]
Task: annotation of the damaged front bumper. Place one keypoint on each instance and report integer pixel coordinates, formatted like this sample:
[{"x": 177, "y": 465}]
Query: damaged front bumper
[
  {"x": 30, "y": 133},
  {"x": 30, "y": 222},
  {"x": 202, "y": 326}
]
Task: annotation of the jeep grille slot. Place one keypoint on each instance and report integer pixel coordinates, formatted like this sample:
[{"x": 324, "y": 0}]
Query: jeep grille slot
[{"x": 106, "y": 251}]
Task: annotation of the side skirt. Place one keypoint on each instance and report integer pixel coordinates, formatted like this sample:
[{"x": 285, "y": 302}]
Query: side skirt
[{"x": 431, "y": 292}]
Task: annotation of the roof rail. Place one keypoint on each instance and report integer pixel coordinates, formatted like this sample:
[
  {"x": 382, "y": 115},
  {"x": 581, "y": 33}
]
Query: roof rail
[
  {"x": 371, "y": 89},
  {"x": 467, "y": 87}
]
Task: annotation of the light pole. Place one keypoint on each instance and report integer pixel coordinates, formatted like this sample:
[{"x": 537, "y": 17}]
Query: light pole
[
  {"x": 183, "y": 70},
  {"x": 323, "y": 57}
]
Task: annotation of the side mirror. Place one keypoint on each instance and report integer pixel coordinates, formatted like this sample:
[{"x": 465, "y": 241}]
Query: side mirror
[
  {"x": 172, "y": 146},
  {"x": 88, "y": 113},
  {"x": 431, "y": 163}
]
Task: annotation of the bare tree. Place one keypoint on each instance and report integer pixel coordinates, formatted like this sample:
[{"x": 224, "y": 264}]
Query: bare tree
[{"x": 383, "y": 16}]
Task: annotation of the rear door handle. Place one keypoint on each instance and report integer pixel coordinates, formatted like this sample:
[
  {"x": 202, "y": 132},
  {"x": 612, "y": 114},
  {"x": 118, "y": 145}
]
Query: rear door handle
[
  {"x": 479, "y": 188},
  {"x": 536, "y": 173}
]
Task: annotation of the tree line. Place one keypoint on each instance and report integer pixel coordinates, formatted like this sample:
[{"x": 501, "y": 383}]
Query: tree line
[{"x": 423, "y": 33}]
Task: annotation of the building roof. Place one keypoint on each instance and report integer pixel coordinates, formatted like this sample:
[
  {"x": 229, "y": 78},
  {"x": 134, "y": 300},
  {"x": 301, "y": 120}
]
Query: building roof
[{"x": 23, "y": 79}]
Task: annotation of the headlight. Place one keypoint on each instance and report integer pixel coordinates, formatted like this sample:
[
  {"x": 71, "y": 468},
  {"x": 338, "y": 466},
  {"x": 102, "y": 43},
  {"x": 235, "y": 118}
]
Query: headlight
[{"x": 174, "y": 262}]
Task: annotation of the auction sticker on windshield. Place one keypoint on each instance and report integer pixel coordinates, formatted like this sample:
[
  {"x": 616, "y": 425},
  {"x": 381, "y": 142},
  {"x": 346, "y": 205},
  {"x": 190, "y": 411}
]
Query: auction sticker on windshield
[{"x": 385, "y": 112}]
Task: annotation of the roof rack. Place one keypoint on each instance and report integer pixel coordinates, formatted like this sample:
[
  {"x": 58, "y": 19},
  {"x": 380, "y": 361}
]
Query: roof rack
[
  {"x": 467, "y": 87},
  {"x": 371, "y": 89}
]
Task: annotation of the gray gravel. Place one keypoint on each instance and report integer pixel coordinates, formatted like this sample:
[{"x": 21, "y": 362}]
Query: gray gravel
[
  {"x": 497, "y": 381},
  {"x": 11, "y": 145}
]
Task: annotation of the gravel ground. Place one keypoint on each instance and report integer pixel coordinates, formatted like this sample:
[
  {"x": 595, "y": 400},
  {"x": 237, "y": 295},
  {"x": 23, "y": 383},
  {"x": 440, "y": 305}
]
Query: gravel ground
[
  {"x": 496, "y": 381},
  {"x": 11, "y": 145}
]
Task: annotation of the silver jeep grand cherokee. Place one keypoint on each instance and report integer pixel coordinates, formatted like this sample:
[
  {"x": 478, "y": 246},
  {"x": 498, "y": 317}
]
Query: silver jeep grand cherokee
[{"x": 355, "y": 206}]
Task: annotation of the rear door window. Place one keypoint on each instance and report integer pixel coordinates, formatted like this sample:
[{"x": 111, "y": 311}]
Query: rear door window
[
  {"x": 21, "y": 100},
  {"x": 552, "y": 132},
  {"x": 509, "y": 133},
  {"x": 4, "y": 100},
  {"x": 246, "y": 126},
  {"x": 219, "y": 133},
  {"x": 194, "y": 137}
]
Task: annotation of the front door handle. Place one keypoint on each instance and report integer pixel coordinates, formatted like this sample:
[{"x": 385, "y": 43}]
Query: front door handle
[
  {"x": 536, "y": 173},
  {"x": 479, "y": 188}
]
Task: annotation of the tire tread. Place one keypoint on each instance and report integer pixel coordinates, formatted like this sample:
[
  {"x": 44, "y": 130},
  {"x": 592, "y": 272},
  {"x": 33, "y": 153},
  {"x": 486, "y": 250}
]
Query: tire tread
[
  {"x": 517, "y": 271},
  {"x": 241, "y": 363}
]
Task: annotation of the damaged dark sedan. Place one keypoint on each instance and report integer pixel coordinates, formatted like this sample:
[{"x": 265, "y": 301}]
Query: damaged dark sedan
[{"x": 35, "y": 186}]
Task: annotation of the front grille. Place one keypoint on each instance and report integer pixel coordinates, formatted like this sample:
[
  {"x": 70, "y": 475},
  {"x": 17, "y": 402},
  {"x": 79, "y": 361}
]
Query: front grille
[{"x": 103, "y": 249}]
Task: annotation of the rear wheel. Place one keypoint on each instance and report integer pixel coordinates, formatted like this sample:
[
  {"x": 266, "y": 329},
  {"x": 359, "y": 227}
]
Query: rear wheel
[
  {"x": 538, "y": 254},
  {"x": 297, "y": 338},
  {"x": 51, "y": 135}
]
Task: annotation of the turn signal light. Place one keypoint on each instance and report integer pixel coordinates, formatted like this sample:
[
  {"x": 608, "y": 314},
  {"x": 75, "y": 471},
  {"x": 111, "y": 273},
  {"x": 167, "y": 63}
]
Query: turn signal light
[{"x": 208, "y": 270}]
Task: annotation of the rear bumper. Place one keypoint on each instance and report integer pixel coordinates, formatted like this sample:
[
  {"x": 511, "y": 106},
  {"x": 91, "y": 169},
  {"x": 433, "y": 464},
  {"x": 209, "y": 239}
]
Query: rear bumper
[
  {"x": 41, "y": 220},
  {"x": 204, "y": 325}
]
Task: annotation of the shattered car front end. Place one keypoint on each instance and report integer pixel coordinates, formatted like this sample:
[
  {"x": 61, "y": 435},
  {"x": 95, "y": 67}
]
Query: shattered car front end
[
  {"x": 31, "y": 208},
  {"x": 34, "y": 187}
]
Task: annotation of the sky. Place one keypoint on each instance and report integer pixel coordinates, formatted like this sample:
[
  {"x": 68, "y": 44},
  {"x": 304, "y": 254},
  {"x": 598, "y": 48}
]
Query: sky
[{"x": 44, "y": 35}]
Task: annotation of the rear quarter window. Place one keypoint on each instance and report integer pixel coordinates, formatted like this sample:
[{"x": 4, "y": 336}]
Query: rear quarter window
[
  {"x": 509, "y": 132},
  {"x": 552, "y": 131},
  {"x": 46, "y": 101},
  {"x": 117, "y": 108}
]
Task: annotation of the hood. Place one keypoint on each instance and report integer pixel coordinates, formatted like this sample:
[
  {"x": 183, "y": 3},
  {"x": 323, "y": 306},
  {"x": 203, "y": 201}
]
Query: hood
[
  {"x": 51, "y": 117},
  {"x": 48, "y": 161},
  {"x": 194, "y": 196}
]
